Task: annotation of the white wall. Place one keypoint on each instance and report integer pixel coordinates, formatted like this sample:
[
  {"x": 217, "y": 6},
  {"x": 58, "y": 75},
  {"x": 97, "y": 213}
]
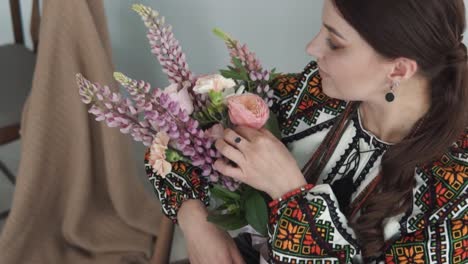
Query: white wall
[
  {"x": 276, "y": 30},
  {"x": 6, "y": 33}
]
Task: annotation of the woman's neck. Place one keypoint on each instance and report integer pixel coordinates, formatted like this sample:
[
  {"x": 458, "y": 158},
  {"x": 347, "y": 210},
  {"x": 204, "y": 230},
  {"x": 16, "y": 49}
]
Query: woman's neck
[{"x": 392, "y": 122}]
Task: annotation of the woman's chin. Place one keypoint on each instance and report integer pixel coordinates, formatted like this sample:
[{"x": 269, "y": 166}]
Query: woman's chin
[{"x": 332, "y": 93}]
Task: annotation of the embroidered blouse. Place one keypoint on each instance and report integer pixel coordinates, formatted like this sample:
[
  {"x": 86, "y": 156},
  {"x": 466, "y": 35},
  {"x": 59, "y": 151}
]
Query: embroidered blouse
[{"x": 309, "y": 226}]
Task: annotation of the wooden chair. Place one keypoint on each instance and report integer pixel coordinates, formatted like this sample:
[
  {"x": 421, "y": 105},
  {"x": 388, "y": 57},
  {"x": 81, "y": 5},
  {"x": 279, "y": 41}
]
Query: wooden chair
[{"x": 16, "y": 73}]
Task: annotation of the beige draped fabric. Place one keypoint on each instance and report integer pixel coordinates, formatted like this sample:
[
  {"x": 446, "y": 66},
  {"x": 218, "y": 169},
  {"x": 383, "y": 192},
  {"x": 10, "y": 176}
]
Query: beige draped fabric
[{"x": 78, "y": 198}]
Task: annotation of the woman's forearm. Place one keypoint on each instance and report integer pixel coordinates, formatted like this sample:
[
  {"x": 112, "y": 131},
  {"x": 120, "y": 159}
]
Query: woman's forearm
[{"x": 189, "y": 211}]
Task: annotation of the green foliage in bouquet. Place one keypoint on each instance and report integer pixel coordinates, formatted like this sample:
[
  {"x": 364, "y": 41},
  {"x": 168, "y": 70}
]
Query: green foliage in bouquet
[{"x": 245, "y": 206}]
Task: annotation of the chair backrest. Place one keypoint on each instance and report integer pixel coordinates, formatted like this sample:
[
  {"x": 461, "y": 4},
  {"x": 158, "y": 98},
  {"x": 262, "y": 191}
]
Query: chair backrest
[{"x": 15, "y": 10}]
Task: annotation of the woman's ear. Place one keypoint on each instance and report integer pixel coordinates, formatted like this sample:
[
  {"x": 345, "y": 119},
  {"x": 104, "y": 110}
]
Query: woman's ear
[{"x": 403, "y": 69}]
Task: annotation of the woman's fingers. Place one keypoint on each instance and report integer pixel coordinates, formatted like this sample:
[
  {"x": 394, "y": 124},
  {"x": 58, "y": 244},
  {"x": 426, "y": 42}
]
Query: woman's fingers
[
  {"x": 229, "y": 151},
  {"x": 224, "y": 168},
  {"x": 234, "y": 139},
  {"x": 249, "y": 133}
]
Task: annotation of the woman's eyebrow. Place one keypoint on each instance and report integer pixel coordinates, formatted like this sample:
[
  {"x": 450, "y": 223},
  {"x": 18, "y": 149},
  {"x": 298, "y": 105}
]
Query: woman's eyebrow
[{"x": 334, "y": 31}]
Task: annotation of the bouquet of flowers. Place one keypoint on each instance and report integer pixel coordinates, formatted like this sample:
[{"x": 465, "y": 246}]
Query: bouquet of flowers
[{"x": 182, "y": 121}]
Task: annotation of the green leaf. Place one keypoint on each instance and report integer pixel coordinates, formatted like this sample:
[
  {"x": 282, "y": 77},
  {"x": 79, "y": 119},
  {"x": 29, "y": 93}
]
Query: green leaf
[
  {"x": 273, "y": 76},
  {"x": 273, "y": 126},
  {"x": 231, "y": 74},
  {"x": 216, "y": 97},
  {"x": 224, "y": 194},
  {"x": 202, "y": 118},
  {"x": 215, "y": 113},
  {"x": 237, "y": 62},
  {"x": 173, "y": 155},
  {"x": 243, "y": 74},
  {"x": 256, "y": 212},
  {"x": 227, "y": 221},
  {"x": 229, "y": 207},
  {"x": 220, "y": 209}
]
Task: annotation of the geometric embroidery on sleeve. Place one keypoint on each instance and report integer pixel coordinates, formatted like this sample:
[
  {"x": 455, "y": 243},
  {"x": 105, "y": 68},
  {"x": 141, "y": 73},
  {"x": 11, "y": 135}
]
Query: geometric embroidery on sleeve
[
  {"x": 444, "y": 243},
  {"x": 294, "y": 240},
  {"x": 181, "y": 184}
]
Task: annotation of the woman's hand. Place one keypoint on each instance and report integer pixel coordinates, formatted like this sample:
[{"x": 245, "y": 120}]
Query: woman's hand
[
  {"x": 206, "y": 243},
  {"x": 263, "y": 161}
]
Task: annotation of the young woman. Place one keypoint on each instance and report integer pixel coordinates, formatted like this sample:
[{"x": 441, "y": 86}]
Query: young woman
[{"x": 376, "y": 163}]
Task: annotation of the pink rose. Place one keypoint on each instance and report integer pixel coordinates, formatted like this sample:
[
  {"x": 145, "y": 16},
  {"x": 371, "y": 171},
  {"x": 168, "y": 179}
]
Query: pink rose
[
  {"x": 182, "y": 97},
  {"x": 215, "y": 132},
  {"x": 157, "y": 158},
  {"x": 248, "y": 110}
]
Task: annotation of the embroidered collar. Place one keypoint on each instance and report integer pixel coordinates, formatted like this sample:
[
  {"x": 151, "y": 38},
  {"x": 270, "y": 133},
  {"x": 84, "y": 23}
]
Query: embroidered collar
[{"x": 369, "y": 136}]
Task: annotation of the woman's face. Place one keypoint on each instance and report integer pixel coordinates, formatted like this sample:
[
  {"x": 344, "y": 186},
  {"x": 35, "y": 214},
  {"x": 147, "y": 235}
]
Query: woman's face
[{"x": 350, "y": 69}]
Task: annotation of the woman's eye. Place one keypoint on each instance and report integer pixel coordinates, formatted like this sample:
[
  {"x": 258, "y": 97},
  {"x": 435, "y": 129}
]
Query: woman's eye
[{"x": 331, "y": 45}]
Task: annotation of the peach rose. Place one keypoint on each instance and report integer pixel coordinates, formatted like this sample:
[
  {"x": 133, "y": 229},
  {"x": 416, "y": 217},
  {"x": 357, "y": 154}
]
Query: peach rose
[
  {"x": 248, "y": 110},
  {"x": 157, "y": 158}
]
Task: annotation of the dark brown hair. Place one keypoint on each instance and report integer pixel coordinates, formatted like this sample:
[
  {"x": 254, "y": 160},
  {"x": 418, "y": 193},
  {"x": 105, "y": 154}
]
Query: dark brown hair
[{"x": 430, "y": 33}]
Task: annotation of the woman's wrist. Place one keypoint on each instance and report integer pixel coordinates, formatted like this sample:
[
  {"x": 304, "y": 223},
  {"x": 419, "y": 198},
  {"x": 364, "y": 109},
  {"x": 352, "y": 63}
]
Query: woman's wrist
[
  {"x": 292, "y": 184},
  {"x": 189, "y": 211},
  {"x": 293, "y": 194}
]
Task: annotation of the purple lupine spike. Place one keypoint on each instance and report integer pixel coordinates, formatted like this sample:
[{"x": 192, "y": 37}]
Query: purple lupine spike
[
  {"x": 165, "y": 46},
  {"x": 266, "y": 75},
  {"x": 161, "y": 113},
  {"x": 259, "y": 89},
  {"x": 229, "y": 183},
  {"x": 106, "y": 107},
  {"x": 214, "y": 177},
  {"x": 270, "y": 103},
  {"x": 207, "y": 170},
  {"x": 197, "y": 162},
  {"x": 100, "y": 97},
  {"x": 161, "y": 119},
  {"x": 168, "y": 52},
  {"x": 106, "y": 91},
  {"x": 259, "y": 75},
  {"x": 86, "y": 90},
  {"x": 208, "y": 160},
  {"x": 250, "y": 62},
  {"x": 270, "y": 93},
  {"x": 126, "y": 129},
  {"x": 253, "y": 76}
]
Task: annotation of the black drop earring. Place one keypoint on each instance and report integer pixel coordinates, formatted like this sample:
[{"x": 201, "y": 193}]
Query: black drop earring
[{"x": 390, "y": 96}]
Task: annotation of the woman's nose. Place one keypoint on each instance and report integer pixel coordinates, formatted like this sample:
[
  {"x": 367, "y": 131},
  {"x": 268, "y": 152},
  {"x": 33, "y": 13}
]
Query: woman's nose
[{"x": 314, "y": 48}]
